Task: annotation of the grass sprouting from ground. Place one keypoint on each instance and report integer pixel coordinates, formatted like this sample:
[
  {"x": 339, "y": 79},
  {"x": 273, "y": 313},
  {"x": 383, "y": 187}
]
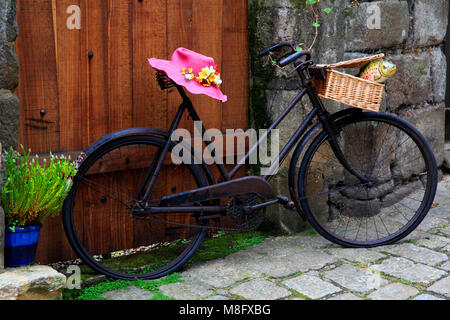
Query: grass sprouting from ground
[
  {"x": 308, "y": 232},
  {"x": 94, "y": 292},
  {"x": 225, "y": 244}
]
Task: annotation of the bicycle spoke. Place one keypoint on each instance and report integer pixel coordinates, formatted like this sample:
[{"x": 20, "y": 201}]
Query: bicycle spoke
[
  {"x": 342, "y": 206},
  {"x": 119, "y": 243}
]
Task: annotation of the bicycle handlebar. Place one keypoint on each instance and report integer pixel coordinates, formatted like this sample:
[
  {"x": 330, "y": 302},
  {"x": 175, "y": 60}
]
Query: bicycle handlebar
[
  {"x": 294, "y": 57},
  {"x": 274, "y": 47},
  {"x": 289, "y": 59}
]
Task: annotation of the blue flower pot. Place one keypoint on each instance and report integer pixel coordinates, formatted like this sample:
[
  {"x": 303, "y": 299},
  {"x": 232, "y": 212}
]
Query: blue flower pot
[{"x": 21, "y": 245}]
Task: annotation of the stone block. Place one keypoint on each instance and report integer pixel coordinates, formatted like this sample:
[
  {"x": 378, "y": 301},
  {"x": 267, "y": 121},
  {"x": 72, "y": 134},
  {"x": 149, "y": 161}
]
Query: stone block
[
  {"x": 412, "y": 82},
  {"x": 8, "y": 32},
  {"x": 394, "y": 291},
  {"x": 417, "y": 254},
  {"x": 277, "y": 101},
  {"x": 362, "y": 34},
  {"x": 31, "y": 283},
  {"x": 8, "y": 24},
  {"x": 345, "y": 296},
  {"x": 9, "y": 67},
  {"x": 291, "y": 21},
  {"x": 288, "y": 21},
  {"x": 439, "y": 74},
  {"x": 427, "y": 297},
  {"x": 9, "y": 121},
  {"x": 441, "y": 287},
  {"x": 430, "y": 121},
  {"x": 311, "y": 286},
  {"x": 410, "y": 271},
  {"x": 260, "y": 289},
  {"x": 354, "y": 278},
  {"x": 279, "y": 220},
  {"x": 430, "y": 21}
]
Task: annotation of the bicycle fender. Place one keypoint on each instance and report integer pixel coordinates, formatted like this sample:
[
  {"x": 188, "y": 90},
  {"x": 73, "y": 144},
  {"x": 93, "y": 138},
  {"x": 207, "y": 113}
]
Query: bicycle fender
[
  {"x": 302, "y": 145},
  {"x": 123, "y": 133},
  {"x": 141, "y": 131}
]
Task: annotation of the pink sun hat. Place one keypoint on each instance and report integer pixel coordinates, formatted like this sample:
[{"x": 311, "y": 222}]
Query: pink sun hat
[{"x": 184, "y": 59}]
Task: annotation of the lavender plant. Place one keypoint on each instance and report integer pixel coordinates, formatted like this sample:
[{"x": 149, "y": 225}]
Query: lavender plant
[{"x": 34, "y": 192}]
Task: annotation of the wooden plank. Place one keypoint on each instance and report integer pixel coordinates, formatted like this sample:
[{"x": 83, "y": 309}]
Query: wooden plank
[
  {"x": 196, "y": 25},
  {"x": 207, "y": 40},
  {"x": 149, "y": 22},
  {"x": 179, "y": 34},
  {"x": 71, "y": 73},
  {"x": 120, "y": 64},
  {"x": 38, "y": 87},
  {"x": 72, "y": 108},
  {"x": 96, "y": 37},
  {"x": 235, "y": 64}
]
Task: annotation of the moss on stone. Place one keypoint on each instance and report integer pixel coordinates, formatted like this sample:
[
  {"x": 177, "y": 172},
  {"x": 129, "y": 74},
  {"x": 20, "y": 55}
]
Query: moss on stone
[
  {"x": 212, "y": 248},
  {"x": 226, "y": 244},
  {"x": 260, "y": 76},
  {"x": 94, "y": 292},
  {"x": 259, "y": 71},
  {"x": 307, "y": 233},
  {"x": 298, "y": 4}
]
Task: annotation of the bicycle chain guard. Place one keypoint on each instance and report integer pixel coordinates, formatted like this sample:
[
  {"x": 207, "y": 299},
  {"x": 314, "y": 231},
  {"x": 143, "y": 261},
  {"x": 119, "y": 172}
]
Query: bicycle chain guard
[{"x": 238, "y": 217}]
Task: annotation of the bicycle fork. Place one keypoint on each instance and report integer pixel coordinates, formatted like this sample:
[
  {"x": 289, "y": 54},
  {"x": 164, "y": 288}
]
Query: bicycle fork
[{"x": 333, "y": 132}]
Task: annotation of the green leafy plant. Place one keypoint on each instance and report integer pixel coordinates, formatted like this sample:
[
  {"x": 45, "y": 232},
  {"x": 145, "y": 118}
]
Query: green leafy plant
[
  {"x": 314, "y": 6},
  {"x": 34, "y": 192}
]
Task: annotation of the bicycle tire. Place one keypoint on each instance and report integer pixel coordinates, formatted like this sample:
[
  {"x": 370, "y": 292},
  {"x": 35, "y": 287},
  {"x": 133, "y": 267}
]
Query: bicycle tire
[
  {"x": 80, "y": 239},
  {"x": 373, "y": 200}
]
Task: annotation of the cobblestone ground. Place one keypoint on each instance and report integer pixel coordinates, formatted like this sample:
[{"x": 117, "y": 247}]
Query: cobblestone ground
[{"x": 299, "y": 267}]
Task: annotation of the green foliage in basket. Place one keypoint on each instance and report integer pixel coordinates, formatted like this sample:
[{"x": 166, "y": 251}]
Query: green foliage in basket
[{"x": 34, "y": 191}]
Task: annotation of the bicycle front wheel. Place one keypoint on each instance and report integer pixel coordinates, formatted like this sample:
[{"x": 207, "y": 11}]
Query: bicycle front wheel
[
  {"x": 402, "y": 179},
  {"x": 99, "y": 218}
]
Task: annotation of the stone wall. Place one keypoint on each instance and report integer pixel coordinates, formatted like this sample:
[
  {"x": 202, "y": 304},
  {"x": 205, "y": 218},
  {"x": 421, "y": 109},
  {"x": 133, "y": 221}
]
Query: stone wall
[
  {"x": 9, "y": 76},
  {"x": 411, "y": 35}
]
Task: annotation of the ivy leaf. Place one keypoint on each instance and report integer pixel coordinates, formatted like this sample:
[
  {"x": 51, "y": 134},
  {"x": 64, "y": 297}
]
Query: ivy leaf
[
  {"x": 327, "y": 10},
  {"x": 299, "y": 47},
  {"x": 316, "y": 25},
  {"x": 311, "y": 1}
]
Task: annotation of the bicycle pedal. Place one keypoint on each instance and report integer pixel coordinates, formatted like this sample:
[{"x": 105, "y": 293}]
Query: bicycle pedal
[{"x": 288, "y": 204}]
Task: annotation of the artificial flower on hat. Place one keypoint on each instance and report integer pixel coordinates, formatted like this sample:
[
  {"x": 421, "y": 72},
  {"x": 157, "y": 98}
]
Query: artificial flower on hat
[
  {"x": 197, "y": 73},
  {"x": 188, "y": 74},
  {"x": 209, "y": 76}
]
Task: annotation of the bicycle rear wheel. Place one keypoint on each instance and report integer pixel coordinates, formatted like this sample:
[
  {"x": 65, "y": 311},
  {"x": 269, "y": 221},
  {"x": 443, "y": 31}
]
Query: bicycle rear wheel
[
  {"x": 98, "y": 212},
  {"x": 402, "y": 183}
]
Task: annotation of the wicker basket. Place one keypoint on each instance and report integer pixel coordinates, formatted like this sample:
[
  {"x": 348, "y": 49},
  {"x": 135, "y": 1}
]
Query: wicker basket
[{"x": 350, "y": 90}]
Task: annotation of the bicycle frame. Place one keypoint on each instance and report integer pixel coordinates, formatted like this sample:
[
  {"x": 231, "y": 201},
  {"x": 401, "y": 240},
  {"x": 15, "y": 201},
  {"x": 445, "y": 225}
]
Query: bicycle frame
[{"x": 247, "y": 183}]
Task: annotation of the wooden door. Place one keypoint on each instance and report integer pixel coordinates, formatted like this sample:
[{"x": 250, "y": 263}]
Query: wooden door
[{"x": 79, "y": 84}]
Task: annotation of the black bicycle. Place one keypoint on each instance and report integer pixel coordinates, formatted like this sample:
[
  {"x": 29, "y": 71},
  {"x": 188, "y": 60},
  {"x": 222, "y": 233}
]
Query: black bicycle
[{"x": 361, "y": 179}]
